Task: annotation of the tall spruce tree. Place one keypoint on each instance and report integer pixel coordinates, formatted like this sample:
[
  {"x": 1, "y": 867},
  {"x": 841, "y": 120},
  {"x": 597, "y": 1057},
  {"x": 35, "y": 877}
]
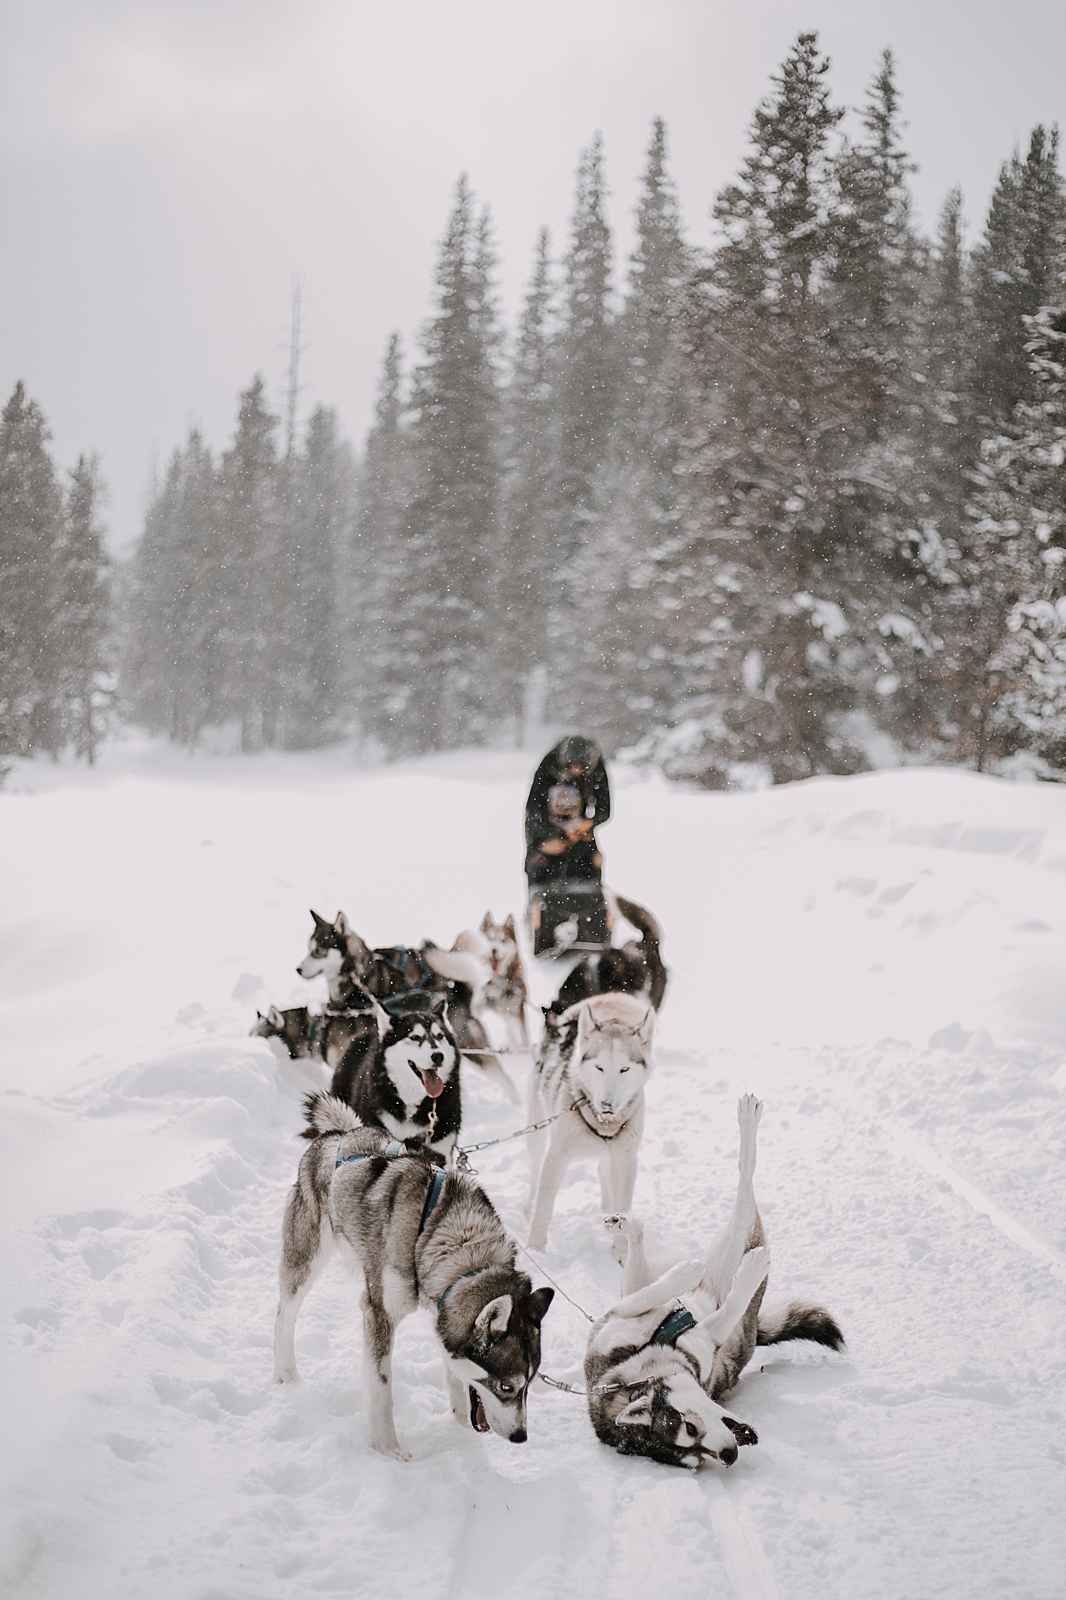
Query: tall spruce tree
[
  {"x": 441, "y": 618},
  {"x": 31, "y": 536},
  {"x": 83, "y": 617},
  {"x": 526, "y": 568},
  {"x": 253, "y": 600},
  {"x": 1017, "y": 268}
]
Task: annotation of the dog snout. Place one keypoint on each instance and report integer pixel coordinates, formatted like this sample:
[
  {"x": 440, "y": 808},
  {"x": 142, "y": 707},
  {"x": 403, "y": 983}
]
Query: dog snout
[
  {"x": 728, "y": 1455},
  {"x": 520, "y": 1436},
  {"x": 437, "y": 1058}
]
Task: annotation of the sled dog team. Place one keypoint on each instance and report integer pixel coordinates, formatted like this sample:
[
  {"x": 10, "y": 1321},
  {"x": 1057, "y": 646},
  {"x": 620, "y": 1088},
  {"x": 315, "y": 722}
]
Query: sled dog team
[{"x": 381, "y": 1184}]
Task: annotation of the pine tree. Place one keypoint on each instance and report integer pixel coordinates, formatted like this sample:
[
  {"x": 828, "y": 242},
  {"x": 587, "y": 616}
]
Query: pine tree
[
  {"x": 253, "y": 601},
  {"x": 382, "y": 675},
  {"x": 525, "y": 559},
  {"x": 1017, "y": 269},
  {"x": 83, "y": 619},
  {"x": 441, "y": 618},
  {"x": 31, "y": 533},
  {"x": 175, "y": 654}
]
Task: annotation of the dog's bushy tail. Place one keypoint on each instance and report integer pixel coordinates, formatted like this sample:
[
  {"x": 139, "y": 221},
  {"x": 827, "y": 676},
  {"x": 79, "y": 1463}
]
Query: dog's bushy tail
[
  {"x": 458, "y": 966},
  {"x": 326, "y": 1114},
  {"x": 799, "y": 1320}
]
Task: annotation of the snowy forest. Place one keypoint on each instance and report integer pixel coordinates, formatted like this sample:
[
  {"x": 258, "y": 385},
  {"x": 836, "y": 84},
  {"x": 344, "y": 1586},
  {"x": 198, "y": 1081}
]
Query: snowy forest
[{"x": 751, "y": 512}]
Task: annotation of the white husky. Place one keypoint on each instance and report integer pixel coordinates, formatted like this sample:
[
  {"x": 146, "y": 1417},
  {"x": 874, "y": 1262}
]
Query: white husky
[{"x": 590, "y": 1075}]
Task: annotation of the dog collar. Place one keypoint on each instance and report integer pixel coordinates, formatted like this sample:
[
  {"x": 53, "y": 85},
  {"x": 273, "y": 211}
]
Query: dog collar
[
  {"x": 672, "y": 1327},
  {"x": 393, "y": 1149}
]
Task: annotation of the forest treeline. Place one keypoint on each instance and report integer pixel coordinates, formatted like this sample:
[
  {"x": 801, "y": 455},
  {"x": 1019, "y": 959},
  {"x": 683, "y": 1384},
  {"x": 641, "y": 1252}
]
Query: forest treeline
[{"x": 746, "y": 512}]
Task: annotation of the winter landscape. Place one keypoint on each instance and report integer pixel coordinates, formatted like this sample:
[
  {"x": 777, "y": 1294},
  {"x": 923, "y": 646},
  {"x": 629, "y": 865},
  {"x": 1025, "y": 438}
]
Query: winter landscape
[{"x": 386, "y": 394}]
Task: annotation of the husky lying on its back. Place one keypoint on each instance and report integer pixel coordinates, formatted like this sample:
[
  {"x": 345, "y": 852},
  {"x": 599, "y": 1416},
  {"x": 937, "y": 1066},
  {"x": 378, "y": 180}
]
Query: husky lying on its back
[
  {"x": 407, "y": 1082},
  {"x": 590, "y": 1074},
  {"x": 422, "y": 1238},
  {"x": 655, "y": 1368}
]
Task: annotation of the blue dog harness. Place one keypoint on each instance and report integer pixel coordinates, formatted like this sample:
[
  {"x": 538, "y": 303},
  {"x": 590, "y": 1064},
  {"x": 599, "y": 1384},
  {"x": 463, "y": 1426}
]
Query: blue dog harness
[
  {"x": 393, "y": 1149},
  {"x": 672, "y": 1327}
]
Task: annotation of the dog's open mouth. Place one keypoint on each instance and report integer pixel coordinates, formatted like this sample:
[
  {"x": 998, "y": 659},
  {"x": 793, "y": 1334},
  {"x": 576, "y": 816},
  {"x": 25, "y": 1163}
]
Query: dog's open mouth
[
  {"x": 431, "y": 1080},
  {"x": 478, "y": 1419},
  {"x": 741, "y": 1431}
]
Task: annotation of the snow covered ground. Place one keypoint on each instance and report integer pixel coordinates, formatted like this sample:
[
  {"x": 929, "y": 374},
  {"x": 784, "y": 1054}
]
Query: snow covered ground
[{"x": 881, "y": 958}]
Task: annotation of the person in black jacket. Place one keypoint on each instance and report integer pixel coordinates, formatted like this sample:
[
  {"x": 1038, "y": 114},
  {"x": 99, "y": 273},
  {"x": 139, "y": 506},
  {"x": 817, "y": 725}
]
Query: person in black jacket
[{"x": 568, "y": 798}]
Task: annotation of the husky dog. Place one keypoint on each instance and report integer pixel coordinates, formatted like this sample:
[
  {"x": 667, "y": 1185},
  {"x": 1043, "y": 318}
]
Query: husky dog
[
  {"x": 406, "y": 1082},
  {"x": 336, "y": 950},
  {"x": 590, "y": 1074},
  {"x": 505, "y": 991},
  {"x": 656, "y": 1368},
  {"x": 635, "y": 968},
  {"x": 421, "y": 1237},
  {"x": 327, "y": 1034}
]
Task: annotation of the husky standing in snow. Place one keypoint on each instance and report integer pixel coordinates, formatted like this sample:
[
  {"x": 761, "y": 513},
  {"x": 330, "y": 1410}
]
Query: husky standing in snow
[
  {"x": 656, "y": 1367},
  {"x": 337, "y": 951},
  {"x": 421, "y": 1237},
  {"x": 590, "y": 1074},
  {"x": 406, "y": 1081}
]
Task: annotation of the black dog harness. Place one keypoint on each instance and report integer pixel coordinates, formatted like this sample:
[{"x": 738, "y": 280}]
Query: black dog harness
[
  {"x": 425, "y": 976},
  {"x": 672, "y": 1327}
]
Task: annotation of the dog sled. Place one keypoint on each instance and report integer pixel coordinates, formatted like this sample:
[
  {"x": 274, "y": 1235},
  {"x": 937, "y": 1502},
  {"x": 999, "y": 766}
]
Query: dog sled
[{"x": 569, "y": 918}]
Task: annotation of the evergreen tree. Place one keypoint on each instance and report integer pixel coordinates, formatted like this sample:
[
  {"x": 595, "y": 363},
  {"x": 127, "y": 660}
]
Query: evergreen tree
[
  {"x": 176, "y": 645},
  {"x": 31, "y": 533},
  {"x": 252, "y": 597},
  {"x": 1016, "y": 269},
  {"x": 525, "y": 560},
  {"x": 83, "y": 618},
  {"x": 444, "y": 633}
]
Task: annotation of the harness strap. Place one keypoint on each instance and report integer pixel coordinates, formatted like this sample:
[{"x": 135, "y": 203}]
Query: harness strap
[
  {"x": 471, "y": 1274},
  {"x": 432, "y": 1197},
  {"x": 672, "y": 1327},
  {"x": 393, "y": 1149}
]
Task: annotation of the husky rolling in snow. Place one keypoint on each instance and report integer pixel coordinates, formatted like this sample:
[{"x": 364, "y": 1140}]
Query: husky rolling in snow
[
  {"x": 590, "y": 1074},
  {"x": 406, "y": 1082},
  {"x": 421, "y": 1237},
  {"x": 337, "y": 951},
  {"x": 656, "y": 1368}
]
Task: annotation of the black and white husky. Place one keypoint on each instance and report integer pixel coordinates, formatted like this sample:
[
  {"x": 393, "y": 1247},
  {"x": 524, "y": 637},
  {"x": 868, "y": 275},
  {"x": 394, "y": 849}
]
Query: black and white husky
[
  {"x": 589, "y": 1075},
  {"x": 659, "y": 1362},
  {"x": 324, "y": 1035},
  {"x": 406, "y": 1082},
  {"x": 336, "y": 951},
  {"x": 420, "y": 1237}
]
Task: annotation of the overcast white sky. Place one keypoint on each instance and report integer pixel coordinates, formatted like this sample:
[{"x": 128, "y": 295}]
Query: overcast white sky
[{"x": 167, "y": 164}]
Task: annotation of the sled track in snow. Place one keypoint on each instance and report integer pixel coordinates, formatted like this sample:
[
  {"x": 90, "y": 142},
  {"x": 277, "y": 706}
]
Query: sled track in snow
[
  {"x": 912, "y": 1149},
  {"x": 745, "y": 1560}
]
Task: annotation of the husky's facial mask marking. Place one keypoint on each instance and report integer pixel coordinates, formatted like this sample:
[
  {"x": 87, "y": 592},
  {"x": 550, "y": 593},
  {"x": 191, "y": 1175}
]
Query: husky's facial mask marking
[
  {"x": 500, "y": 1361},
  {"x": 419, "y": 1057},
  {"x": 685, "y": 1427}
]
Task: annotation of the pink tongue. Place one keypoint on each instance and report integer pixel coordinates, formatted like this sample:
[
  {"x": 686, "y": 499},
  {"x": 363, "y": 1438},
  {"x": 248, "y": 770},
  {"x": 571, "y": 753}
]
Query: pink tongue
[{"x": 434, "y": 1084}]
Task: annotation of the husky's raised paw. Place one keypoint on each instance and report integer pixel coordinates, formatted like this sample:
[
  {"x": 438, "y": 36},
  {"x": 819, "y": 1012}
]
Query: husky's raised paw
[
  {"x": 749, "y": 1110},
  {"x": 687, "y": 1275}
]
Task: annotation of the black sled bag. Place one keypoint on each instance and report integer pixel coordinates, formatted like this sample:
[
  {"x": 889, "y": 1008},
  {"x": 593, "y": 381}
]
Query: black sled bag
[{"x": 568, "y": 916}]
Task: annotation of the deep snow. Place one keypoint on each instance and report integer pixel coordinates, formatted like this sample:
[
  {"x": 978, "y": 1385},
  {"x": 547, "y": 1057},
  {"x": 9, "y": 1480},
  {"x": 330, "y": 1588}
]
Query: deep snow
[{"x": 880, "y": 958}]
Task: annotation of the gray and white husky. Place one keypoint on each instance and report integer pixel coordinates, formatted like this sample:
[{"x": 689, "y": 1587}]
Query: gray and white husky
[
  {"x": 659, "y": 1362},
  {"x": 420, "y": 1237},
  {"x": 589, "y": 1075}
]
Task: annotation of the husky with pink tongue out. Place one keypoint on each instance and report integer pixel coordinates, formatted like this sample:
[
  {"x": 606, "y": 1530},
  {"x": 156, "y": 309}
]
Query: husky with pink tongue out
[{"x": 407, "y": 1082}]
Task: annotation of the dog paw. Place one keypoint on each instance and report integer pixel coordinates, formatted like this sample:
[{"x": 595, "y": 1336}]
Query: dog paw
[
  {"x": 752, "y": 1270},
  {"x": 749, "y": 1110},
  {"x": 391, "y": 1448},
  {"x": 537, "y": 1241},
  {"x": 286, "y": 1375}
]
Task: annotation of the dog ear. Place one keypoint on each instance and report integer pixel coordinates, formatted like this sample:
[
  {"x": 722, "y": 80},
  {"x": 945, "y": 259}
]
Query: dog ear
[
  {"x": 320, "y": 922},
  {"x": 275, "y": 1018},
  {"x": 491, "y": 1321},
  {"x": 508, "y": 928},
  {"x": 486, "y": 922},
  {"x": 342, "y": 925},
  {"x": 538, "y": 1303},
  {"x": 646, "y": 1030},
  {"x": 637, "y": 1412},
  {"x": 437, "y": 1004}
]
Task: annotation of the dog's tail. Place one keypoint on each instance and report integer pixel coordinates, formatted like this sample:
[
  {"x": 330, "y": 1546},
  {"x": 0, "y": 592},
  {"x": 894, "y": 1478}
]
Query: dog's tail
[
  {"x": 650, "y": 939},
  {"x": 326, "y": 1114},
  {"x": 799, "y": 1320},
  {"x": 458, "y": 966}
]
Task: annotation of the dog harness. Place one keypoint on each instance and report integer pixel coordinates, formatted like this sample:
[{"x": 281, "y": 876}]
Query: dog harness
[
  {"x": 672, "y": 1327},
  {"x": 425, "y": 977},
  {"x": 393, "y": 1149}
]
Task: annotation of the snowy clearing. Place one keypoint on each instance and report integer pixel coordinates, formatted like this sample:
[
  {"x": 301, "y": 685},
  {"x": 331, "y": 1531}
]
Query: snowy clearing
[{"x": 880, "y": 958}]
